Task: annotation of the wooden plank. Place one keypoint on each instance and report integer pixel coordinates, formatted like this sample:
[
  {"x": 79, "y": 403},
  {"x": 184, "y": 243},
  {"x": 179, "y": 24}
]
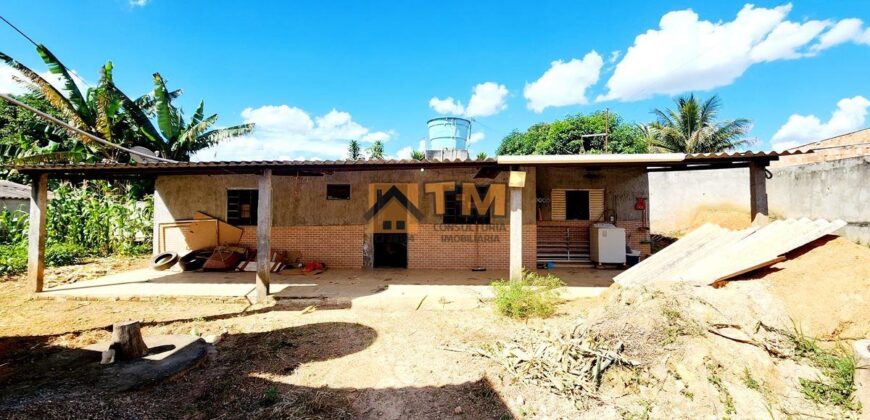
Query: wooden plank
[
  {"x": 227, "y": 233},
  {"x": 745, "y": 270},
  {"x": 264, "y": 235},
  {"x": 36, "y": 234}
]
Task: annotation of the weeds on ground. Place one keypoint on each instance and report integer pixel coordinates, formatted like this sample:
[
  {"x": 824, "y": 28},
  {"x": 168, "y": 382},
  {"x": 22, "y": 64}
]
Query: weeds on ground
[
  {"x": 837, "y": 381},
  {"x": 724, "y": 395},
  {"x": 750, "y": 381},
  {"x": 531, "y": 296}
]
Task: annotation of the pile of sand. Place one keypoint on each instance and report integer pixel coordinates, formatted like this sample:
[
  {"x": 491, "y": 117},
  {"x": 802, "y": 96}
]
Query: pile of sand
[{"x": 824, "y": 288}]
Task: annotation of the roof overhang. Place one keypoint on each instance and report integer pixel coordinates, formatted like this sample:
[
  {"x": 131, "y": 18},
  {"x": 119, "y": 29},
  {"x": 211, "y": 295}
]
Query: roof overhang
[{"x": 485, "y": 167}]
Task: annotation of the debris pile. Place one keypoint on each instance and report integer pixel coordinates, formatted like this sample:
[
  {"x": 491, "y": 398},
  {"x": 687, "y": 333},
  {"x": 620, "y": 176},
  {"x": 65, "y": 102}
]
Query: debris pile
[
  {"x": 671, "y": 350},
  {"x": 569, "y": 364}
]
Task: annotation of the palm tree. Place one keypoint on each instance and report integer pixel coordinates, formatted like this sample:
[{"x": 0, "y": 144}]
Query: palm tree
[
  {"x": 180, "y": 139},
  {"x": 692, "y": 128},
  {"x": 353, "y": 150},
  {"x": 376, "y": 150},
  {"x": 418, "y": 155}
]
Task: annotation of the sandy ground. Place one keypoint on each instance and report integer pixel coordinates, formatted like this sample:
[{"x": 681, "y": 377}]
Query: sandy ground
[
  {"x": 825, "y": 288},
  {"x": 347, "y": 363}
]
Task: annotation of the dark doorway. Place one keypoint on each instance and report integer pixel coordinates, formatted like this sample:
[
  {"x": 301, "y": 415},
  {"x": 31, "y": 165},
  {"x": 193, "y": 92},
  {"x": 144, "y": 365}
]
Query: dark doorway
[
  {"x": 391, "y": 250},
  {"x": 576, "y": 205}
]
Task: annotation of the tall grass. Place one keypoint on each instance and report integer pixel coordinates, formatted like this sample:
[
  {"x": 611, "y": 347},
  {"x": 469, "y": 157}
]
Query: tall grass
[{"x": 90, "y": 220}]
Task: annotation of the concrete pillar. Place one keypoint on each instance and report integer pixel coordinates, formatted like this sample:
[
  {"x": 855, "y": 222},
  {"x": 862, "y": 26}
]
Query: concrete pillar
[
  {"x": 264, "y": 235},
  {"x": 758, "y": 193},
  {"x": 36, "y": 235},
  {"x": 516, "y": 251}
]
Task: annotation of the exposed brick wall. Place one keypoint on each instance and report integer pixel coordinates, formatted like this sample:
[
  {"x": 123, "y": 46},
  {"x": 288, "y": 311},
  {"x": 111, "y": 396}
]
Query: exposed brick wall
[
  {"x": 635, "y": 234},
  {"x": 339, "y": 246},
  {"x": 453, "y": 247}
]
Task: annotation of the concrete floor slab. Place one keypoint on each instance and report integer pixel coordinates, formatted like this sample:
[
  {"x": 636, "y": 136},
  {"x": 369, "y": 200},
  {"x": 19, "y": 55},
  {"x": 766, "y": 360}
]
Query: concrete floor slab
[{"x": 356, "y": 287}]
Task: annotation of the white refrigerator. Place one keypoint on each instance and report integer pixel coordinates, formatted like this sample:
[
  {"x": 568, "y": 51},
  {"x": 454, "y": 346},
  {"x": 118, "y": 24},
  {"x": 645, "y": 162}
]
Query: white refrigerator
[{"x": 607, "y": 244}]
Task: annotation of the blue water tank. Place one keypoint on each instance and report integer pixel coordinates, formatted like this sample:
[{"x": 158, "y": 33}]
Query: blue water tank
[{"x": 449, "y": 133}]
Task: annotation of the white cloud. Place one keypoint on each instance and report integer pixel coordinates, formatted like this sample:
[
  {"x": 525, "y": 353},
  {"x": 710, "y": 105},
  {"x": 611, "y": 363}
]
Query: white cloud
[
  {"x": 447, "y": 106},
  {"x": 564, "y": 83},
  {"x": 285, "y": 133},
  {"x": 487, "y": 99},
  {"x": 405, "y": 152},
  {"x": 476, "y": 137},
  {"x": 686, "y": 53},
  {"x": 614, "y": 55},
  {"x": 139, "y": 3},
  {"x": 9, "y": 85},
  {"x": 846, "y": 30},
  {"x": 849, "y": 116}
]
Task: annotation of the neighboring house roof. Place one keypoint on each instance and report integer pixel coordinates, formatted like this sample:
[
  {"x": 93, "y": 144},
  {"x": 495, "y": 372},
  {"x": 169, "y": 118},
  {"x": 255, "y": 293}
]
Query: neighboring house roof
[
  {"x": 854, "y": 138},
  {"x": 320, "y": 167},
  {"x": 14, "y": 191}
]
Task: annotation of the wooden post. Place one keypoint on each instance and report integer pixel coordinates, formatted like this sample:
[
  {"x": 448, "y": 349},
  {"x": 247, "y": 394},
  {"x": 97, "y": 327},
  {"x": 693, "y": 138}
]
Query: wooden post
[
  {"x": 758, "y": 193},
  {"x": 264, "y": 235},
  {"x": 36, "y": 236}
]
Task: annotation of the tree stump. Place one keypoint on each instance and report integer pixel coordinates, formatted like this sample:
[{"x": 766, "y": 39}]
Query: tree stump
[{"x": 127, "y": 341}]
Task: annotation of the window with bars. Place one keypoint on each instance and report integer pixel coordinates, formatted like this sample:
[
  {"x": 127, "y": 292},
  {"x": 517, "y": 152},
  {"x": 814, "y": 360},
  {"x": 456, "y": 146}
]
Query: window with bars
[
  {"x": 242, "y": 207},
  {"x": 453, "y": 208}
]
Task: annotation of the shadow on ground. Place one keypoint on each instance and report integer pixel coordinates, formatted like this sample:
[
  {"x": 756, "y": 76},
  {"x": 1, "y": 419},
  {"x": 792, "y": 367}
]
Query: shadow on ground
[{"x": 241, "y": 381}]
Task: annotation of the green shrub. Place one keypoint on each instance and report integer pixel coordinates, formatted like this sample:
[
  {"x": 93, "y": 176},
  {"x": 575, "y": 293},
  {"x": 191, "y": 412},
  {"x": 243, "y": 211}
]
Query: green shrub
[
  {"x": 13, "y": 226},
  {"x": 59, "y": 255},
  {"x": 532, "y": 296},
  {"x": 13, "y": 259}
]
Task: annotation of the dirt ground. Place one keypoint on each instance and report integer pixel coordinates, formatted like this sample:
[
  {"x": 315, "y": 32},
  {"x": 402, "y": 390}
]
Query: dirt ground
[
  {"x": 825, "y": 288},
  {"x": 367, "y": 363}
]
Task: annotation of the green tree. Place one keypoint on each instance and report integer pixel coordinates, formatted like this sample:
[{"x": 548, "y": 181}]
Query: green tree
[
  {"x": 353, "y": 150},
  {"x": 581, "y": 133},
  {"x": 105, "y": 111},
  {"x": 692, "y": 127},
  {"x": 481, "y": 156},
  {"x": 418, "y": 155},
  {"x": 376, "y": 150},
  {"x": 180, "y": 138}
]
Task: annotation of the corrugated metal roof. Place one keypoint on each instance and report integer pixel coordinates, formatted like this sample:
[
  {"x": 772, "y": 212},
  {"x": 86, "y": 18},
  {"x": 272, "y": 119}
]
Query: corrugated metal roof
[
  {"x": 712, "y": 253},
  {"x": 253, "y": 163},
  {"x": 638, "y": 158},
  {"x": 296, "y": 166},
  {"x": 13, "y": 190}
]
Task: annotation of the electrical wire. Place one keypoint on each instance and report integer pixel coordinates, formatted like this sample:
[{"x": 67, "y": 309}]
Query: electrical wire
[
  {"x": 36, "y": 44},
  {"x": 82, "y": 132}
]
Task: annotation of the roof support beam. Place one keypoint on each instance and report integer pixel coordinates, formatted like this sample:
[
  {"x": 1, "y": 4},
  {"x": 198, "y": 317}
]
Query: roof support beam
[
  {"x": 758, "y": 193},
  {"x": 264, "y": 235},
  {"x": 37, "y": 233}
]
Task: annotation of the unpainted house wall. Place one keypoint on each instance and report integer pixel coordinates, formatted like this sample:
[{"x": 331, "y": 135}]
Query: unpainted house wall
[
  {"x": 621, "y": 187},
  {"x": 334, "y": 231},
  {"x": 13, "y": 204},
  {"x": 837, "y": 189}
]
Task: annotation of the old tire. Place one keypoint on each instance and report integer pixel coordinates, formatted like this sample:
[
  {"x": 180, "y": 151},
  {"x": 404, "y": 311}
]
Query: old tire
[
  {"x": 193, "y": 260},
  {"x": 163, "y": 261}
]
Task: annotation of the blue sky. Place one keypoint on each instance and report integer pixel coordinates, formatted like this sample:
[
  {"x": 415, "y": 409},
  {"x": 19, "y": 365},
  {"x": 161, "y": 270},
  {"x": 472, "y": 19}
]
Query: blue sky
[{"x": 314, "y": 74}]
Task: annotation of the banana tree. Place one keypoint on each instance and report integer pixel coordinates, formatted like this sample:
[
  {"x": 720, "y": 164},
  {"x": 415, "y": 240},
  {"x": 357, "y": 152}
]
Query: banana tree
[{"x": 180, "y": 139}]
